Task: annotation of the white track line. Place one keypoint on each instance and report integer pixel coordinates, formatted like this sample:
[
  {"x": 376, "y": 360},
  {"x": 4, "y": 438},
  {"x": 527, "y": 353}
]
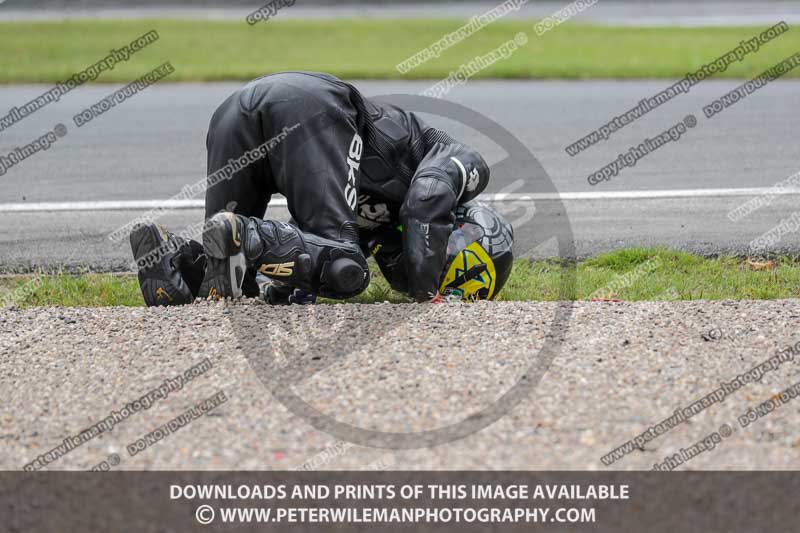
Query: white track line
[
  {"x": 104, "y": 205},
  {"x": 139, "y": 205}
]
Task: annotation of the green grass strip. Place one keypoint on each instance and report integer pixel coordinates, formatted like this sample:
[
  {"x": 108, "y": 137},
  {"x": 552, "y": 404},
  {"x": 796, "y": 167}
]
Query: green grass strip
[
  {"x": 361, "y": 49},
  {"x": 631, "y": 274}
]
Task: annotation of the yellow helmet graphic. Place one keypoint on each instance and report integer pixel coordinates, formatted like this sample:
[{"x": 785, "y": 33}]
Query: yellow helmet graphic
[{"x": 471, "y": 273}]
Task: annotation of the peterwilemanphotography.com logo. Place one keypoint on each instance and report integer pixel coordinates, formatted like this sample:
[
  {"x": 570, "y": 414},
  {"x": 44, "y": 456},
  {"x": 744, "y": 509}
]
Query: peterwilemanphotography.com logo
[{"x": 336, "y": 366}]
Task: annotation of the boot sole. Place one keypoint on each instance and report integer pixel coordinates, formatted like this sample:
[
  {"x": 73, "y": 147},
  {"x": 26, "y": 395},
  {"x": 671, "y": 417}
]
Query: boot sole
[
  {"x": 222, "y": 237},
  {"x": 227, "y": 265},
  {"x": 145, "y": 240}
]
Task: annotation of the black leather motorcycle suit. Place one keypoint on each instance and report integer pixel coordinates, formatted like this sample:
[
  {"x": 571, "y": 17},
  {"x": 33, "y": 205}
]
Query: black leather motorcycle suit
[{"x": 346, "y": 165}]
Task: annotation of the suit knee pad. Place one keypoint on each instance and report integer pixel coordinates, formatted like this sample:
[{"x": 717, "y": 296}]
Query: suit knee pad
[{"x": 329, "y": 268}]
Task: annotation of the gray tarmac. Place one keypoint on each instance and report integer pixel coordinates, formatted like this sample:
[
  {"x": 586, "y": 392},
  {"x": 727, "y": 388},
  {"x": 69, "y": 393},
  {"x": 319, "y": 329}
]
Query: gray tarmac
[
  {"x": 151, "y": 146},
  {"x": 608, "y": 12},
  {"x": 78, "y": 241}
]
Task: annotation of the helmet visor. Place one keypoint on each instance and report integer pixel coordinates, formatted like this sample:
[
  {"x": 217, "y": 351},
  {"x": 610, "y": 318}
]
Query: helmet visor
[{"x": 462, "y": 237}]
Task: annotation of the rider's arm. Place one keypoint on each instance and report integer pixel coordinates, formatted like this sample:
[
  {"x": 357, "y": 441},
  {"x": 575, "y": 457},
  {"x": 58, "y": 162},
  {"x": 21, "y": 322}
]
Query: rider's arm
[{"x": 447, "y": 175}]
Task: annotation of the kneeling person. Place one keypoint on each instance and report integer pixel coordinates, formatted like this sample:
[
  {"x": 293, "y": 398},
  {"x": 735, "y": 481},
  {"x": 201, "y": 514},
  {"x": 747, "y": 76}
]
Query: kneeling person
[{"x": 343, "y": 155}]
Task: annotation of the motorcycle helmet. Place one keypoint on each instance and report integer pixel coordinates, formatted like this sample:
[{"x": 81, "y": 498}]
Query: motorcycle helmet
[{"x": 479, "y": 254}]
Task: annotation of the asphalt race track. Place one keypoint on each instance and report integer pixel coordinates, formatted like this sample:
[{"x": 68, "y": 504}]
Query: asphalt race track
[
  {"x": 611, "y": 12},
  {"x": 148, "y": 148},
  {"x": 153, "y": 144}
]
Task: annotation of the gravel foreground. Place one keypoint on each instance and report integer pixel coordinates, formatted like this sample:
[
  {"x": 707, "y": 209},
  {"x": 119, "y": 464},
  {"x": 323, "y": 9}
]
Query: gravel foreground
[{"x": 376, "y": 374}]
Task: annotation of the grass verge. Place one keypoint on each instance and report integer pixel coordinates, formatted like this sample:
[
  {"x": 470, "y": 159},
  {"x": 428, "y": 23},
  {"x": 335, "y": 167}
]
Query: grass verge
[
  {"x": 360, "y": 48},
  {"x": 635, "y": 274}
]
